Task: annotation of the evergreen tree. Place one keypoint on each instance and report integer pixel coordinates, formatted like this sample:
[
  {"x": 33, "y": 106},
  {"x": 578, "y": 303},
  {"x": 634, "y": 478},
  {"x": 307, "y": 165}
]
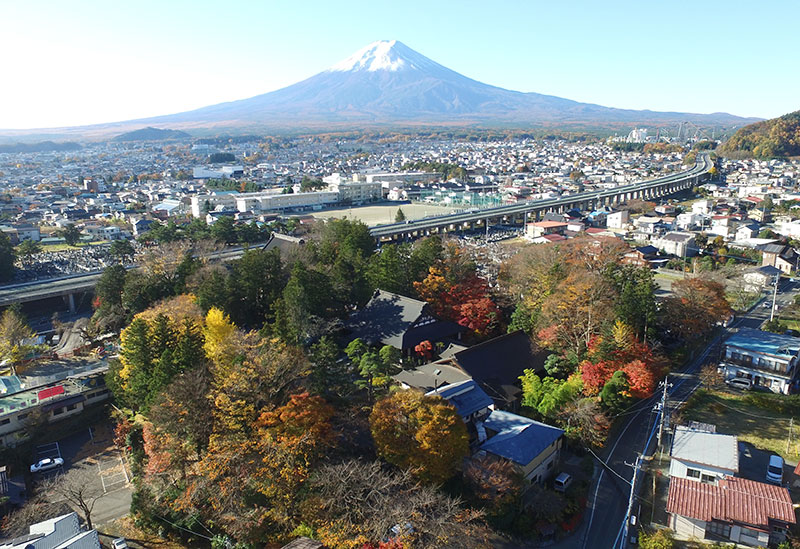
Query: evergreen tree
[
  {"x": 400, "y": 216},
  {"x": 6, "y": 258}
]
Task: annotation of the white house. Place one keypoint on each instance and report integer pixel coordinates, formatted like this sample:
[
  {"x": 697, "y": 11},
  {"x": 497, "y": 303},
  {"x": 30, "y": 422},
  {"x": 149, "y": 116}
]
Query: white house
[
  {"x": 702, "y": 455},
  {"x": 736, "y": 510},
  {"x": 617, "y": 220},
  {"x": 677, "y": 243},
  {"x": 62, "y": 532},
  {"x": 702, "y": 207},
  {"x": 768, "y": 360}
]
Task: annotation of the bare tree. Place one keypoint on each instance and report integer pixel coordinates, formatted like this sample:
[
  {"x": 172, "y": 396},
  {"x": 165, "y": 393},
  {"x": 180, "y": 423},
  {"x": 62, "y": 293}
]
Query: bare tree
[
  {"x": 366, "y": 499},
  {"x": 79, "y": 486},
  {"x": 35, "y": 510}
]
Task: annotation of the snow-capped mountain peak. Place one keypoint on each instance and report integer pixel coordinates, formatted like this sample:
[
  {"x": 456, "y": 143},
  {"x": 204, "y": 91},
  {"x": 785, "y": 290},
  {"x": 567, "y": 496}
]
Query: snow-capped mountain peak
[{"x": 383, "y": 55}]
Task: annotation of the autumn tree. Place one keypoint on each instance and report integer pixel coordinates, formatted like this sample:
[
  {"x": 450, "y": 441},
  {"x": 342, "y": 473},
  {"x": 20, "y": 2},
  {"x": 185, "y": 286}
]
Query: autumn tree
[
  {"x": 694, "y": 308},
  {"x": 495, "y": 482},
  {"x": 456, "y": 293},
  {"x": 15, "y": 338},
  {"x": 356, "y": 503},
  {"x": 424, "y": 433},
  {"x": 577, "y": 311},
  {"x": 585, "y": 422}
]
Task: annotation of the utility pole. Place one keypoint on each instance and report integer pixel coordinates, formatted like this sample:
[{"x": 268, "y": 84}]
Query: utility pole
[
  {"x": 664, "y": 419},
  {"x": 774, "y": 297},
  {"x": 636, "y": 466}
]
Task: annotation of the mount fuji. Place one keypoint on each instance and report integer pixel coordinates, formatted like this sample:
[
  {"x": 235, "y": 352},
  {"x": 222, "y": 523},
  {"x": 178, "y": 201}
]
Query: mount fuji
[{"x": 388, "y": 83}]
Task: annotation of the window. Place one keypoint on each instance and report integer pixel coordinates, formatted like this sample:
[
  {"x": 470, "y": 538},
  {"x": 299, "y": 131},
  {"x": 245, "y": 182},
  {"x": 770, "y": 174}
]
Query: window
[
  {"x": 718, "y": 529},
  {"x": 708, "y": 479},
  {"x": 58, "y": 411},
  {"x": 549, "y": 464},
  {"x": 750, "y": 532},
  {"x": 5, "y": 421},
  {"x": 71, "y": 407},
  {"x": 22, "y": 416},
  {"x": 692, "y": 473}
]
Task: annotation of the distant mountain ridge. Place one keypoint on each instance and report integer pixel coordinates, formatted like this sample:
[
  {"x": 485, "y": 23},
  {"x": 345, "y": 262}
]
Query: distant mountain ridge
[
  {"x": 777, "y": 137},
  {"x": 41, "y": 146},
  {"x": 389, "y": 84},
  {"x": 151, "y": 134}
]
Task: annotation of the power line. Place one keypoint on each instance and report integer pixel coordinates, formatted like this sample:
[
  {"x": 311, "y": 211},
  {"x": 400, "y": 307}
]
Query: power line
[{"x": 181, "y": 527}]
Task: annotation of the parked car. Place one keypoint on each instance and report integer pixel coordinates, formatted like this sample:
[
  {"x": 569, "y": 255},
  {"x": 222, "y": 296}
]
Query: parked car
[
  {"x": 562, "y": 482},
  {"x": 775, "y": 469},
  {"x": 740, "y": 383},
  {"x": 46, "y": 464},
  {"x": 119, "y": 543}
]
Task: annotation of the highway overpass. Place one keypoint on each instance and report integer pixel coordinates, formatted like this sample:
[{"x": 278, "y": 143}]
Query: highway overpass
[
  {"x": 521, "y": 212},
  {"x": 70, "y": 286},
  {"x": 75, "y": 285}
]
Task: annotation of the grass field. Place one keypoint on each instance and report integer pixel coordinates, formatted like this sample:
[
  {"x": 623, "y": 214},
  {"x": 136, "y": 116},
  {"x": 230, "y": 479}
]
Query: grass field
[
  {"x": 765, "y": 429},
  {"x": 380, "y": 214}
]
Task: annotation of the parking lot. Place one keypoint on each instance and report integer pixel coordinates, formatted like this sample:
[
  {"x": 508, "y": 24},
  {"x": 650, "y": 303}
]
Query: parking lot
[{"x": 92, "y": 449}]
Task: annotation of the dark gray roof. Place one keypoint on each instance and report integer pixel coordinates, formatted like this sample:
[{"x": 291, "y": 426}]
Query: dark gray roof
[
  {"x": 678, "y": 237},
  {"x": 769, "y": 270},
  {"x": 498, "y": 363},
  {"x": 772, "y": 248},
  {"x": 284, "y": 243},
  {"x": 424, "y": 377},
  {"x": 647, "y": 250},
  {"x": 390, "y": 319}
]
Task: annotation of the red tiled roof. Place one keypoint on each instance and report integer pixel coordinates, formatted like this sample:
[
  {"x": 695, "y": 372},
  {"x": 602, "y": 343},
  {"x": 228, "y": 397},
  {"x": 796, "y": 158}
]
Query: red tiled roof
[
  {"x": 732, "y": 500},
  {"x": 549, "y": 224},
  {"x": 554, "y": 237}
]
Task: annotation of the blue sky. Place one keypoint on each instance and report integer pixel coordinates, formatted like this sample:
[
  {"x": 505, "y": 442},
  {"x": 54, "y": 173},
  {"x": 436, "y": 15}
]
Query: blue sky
[{"x": 91, "y": 61}]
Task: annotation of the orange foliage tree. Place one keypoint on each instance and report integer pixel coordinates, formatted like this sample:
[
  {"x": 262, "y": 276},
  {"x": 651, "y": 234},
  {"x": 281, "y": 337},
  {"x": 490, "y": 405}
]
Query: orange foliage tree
[
  {"x": 423, "y": 433},
  {"x": 456, "y": 293}
]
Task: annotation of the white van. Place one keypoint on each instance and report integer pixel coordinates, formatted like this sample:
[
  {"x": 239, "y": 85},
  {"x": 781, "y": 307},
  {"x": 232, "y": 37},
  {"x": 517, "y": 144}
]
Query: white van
[
  {"x": 775, "y": 469},
  {"x": 562, "y": 482}
]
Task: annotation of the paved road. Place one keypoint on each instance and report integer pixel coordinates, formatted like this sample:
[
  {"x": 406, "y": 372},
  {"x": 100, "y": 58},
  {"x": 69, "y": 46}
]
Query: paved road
[{"x": 608, "y": 497}]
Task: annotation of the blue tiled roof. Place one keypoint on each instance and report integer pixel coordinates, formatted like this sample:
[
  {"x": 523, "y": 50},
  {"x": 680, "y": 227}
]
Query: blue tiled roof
[
  {"x": 764, "y": 342},
  {"x": 466, "y": 396},
  {"x": 518, "y": 438}
]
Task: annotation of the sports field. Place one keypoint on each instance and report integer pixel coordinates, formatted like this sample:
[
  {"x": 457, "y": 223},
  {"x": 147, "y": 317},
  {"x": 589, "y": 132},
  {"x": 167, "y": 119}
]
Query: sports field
[{"x": 381, "y": 214}]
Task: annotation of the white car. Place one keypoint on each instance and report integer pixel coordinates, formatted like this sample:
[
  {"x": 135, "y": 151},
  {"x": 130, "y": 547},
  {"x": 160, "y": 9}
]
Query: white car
[
  {"x": 740, "y": 383},
  {"x": 119, "y": 543},
  {"x": 46, "y": 464},
  {"x": 775, "y": 469}
]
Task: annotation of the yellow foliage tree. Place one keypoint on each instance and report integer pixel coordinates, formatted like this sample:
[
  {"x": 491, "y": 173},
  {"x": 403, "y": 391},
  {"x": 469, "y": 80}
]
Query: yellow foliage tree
[{"x": 423, "y": 433}]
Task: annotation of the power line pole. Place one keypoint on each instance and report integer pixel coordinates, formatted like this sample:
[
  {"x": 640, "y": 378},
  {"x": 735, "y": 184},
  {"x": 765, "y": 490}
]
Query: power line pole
[
  {"x": 664, "y": 419},
  {"x": 774, "y": 297},
  {"x": 636, "y": 466},
  {"x": 789, "y": 440}
]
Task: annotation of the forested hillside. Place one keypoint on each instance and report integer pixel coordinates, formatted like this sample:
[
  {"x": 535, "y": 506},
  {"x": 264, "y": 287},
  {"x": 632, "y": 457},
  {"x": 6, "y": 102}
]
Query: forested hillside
[{"x": 767, "y": 139}]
